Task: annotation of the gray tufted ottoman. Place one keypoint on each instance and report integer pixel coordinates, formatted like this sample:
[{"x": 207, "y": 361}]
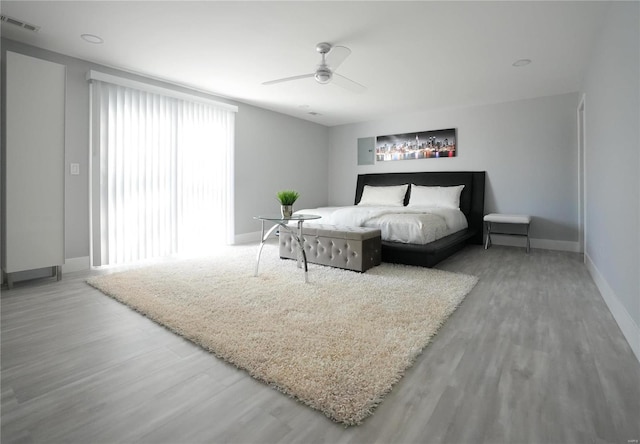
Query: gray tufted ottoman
[{"x": 352, "y": 248}]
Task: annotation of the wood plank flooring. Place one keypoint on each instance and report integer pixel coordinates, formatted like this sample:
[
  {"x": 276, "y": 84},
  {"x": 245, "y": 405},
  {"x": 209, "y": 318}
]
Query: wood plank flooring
[{"x": 532, "y": 356}]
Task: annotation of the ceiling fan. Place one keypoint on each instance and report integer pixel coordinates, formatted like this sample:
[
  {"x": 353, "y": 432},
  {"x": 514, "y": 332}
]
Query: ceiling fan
[{"x": 332, "y": 57}]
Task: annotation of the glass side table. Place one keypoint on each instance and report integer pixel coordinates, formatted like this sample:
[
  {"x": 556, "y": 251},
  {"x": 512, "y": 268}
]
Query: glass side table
[{"x": 296, "y": 232}]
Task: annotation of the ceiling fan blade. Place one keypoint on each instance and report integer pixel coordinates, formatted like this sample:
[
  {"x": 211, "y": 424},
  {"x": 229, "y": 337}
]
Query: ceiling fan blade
[
  {"x": 287, "y": 79},
  {"x": 348, "y": 83},
  {"x": 336, "y": 56}
]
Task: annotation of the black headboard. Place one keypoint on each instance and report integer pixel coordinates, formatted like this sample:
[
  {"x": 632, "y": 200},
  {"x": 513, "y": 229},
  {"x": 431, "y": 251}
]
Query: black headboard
[{"x": 471, "y": 199}]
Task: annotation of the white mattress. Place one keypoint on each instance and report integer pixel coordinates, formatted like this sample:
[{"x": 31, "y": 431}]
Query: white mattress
[{"x": 413, "y": 225}]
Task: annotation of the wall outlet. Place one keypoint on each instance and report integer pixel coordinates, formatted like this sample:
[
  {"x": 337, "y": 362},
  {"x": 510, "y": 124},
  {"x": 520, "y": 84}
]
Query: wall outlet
[{"x": 75, "y": 169}]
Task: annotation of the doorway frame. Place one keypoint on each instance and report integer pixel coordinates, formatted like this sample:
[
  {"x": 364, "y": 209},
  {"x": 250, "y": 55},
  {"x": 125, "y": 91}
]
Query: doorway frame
[{"x": 582, "y": 176}]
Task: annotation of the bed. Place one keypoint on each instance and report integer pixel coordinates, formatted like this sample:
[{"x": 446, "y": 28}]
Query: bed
[{"x": 422, "y": 250}]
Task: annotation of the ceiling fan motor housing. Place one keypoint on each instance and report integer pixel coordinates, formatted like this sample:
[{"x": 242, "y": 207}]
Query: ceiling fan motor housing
[{"x": 323, "y": 75}]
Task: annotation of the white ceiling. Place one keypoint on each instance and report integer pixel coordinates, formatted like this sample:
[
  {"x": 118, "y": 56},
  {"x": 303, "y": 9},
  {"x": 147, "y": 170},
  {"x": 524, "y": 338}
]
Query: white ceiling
[{"x": 410, "y": 55}]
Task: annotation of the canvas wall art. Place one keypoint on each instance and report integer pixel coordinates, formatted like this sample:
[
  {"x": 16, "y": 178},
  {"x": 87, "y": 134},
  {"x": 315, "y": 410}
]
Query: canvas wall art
[{"x": 422, "y": 145}]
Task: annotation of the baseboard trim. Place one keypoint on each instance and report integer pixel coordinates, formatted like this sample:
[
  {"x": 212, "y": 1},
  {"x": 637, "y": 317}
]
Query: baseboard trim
[
  {"x": 543, "y": 244},
  {"x": 629, "y": 328},
  {"x": 76, "y": 264},
  {"x": 246, "y": 238}
]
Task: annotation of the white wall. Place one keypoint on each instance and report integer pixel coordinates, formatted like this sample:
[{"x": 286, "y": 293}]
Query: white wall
[
  {"x": 528, "y": 149},
  {"x": 612, "y": 98},
  {"x": 270, "y": 151}
]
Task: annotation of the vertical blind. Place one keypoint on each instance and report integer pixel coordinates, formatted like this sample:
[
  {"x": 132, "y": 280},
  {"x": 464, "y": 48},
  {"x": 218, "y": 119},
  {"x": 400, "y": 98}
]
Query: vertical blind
[{"x": 164, "y": 175}]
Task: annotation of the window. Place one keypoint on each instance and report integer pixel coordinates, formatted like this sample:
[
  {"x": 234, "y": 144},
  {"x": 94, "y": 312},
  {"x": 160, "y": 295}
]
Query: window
[{"x": 162, "y": 173}]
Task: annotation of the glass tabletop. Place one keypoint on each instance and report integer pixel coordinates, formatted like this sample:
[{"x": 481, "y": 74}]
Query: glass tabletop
[{"x": 294, "y": 218}]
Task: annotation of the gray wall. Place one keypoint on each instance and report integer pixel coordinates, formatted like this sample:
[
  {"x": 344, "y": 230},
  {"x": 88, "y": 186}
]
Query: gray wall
[
  {"x": 276, "y": 152},
  {"x": 528, "y": 149},
  {"x": 270, "y": 149},
  {"x": 612, "y": 110}
]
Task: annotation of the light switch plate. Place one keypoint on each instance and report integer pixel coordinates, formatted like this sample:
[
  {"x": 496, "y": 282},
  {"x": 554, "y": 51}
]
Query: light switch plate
[{"x": 75, "y": 169}]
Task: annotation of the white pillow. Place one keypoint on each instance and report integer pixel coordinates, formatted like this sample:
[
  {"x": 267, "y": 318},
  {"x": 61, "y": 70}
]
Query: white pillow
[
  {"x": 392, "y": 196},
  {"x": 438, "y": 197}
]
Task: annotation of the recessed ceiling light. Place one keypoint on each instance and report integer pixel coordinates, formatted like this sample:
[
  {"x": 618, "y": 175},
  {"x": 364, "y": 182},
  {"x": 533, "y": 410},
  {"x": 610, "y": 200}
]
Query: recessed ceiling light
[
  {"x": 521, "y": 62},
  {"x": 91, "y": 38}
]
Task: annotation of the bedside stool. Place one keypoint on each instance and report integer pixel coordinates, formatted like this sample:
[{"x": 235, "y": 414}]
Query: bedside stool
[{"x": 496, "y": 218}]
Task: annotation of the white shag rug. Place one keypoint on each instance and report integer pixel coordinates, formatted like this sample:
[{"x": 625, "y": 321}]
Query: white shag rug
[{"x": 338, "y": 343}]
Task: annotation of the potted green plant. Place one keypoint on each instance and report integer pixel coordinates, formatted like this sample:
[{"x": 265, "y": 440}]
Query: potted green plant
[{"x": 287, "y": 198}]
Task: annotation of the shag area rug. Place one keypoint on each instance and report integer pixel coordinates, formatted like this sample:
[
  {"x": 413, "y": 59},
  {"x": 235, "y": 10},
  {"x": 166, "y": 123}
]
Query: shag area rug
[{"x": 337, "y": 344}]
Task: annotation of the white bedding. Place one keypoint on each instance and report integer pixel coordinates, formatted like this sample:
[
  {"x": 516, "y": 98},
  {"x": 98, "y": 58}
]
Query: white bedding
[{"x": 413, "y": 225}]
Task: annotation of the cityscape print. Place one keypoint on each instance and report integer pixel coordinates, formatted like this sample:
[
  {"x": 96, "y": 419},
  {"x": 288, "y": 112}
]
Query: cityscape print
[{"x": 423, "y": 145}]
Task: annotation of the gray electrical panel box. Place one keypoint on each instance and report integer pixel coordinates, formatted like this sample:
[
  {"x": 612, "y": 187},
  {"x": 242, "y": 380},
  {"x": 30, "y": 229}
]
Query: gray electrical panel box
[{"x": 366, "y": 151}]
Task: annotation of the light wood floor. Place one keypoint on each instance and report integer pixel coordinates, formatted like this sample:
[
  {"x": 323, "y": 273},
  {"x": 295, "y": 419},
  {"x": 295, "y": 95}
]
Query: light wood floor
[{"x": 531, "y": 356}]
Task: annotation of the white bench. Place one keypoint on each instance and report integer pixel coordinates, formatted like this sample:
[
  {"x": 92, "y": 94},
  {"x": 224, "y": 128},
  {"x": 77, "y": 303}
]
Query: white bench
[{"x": 496, "y": 218}]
